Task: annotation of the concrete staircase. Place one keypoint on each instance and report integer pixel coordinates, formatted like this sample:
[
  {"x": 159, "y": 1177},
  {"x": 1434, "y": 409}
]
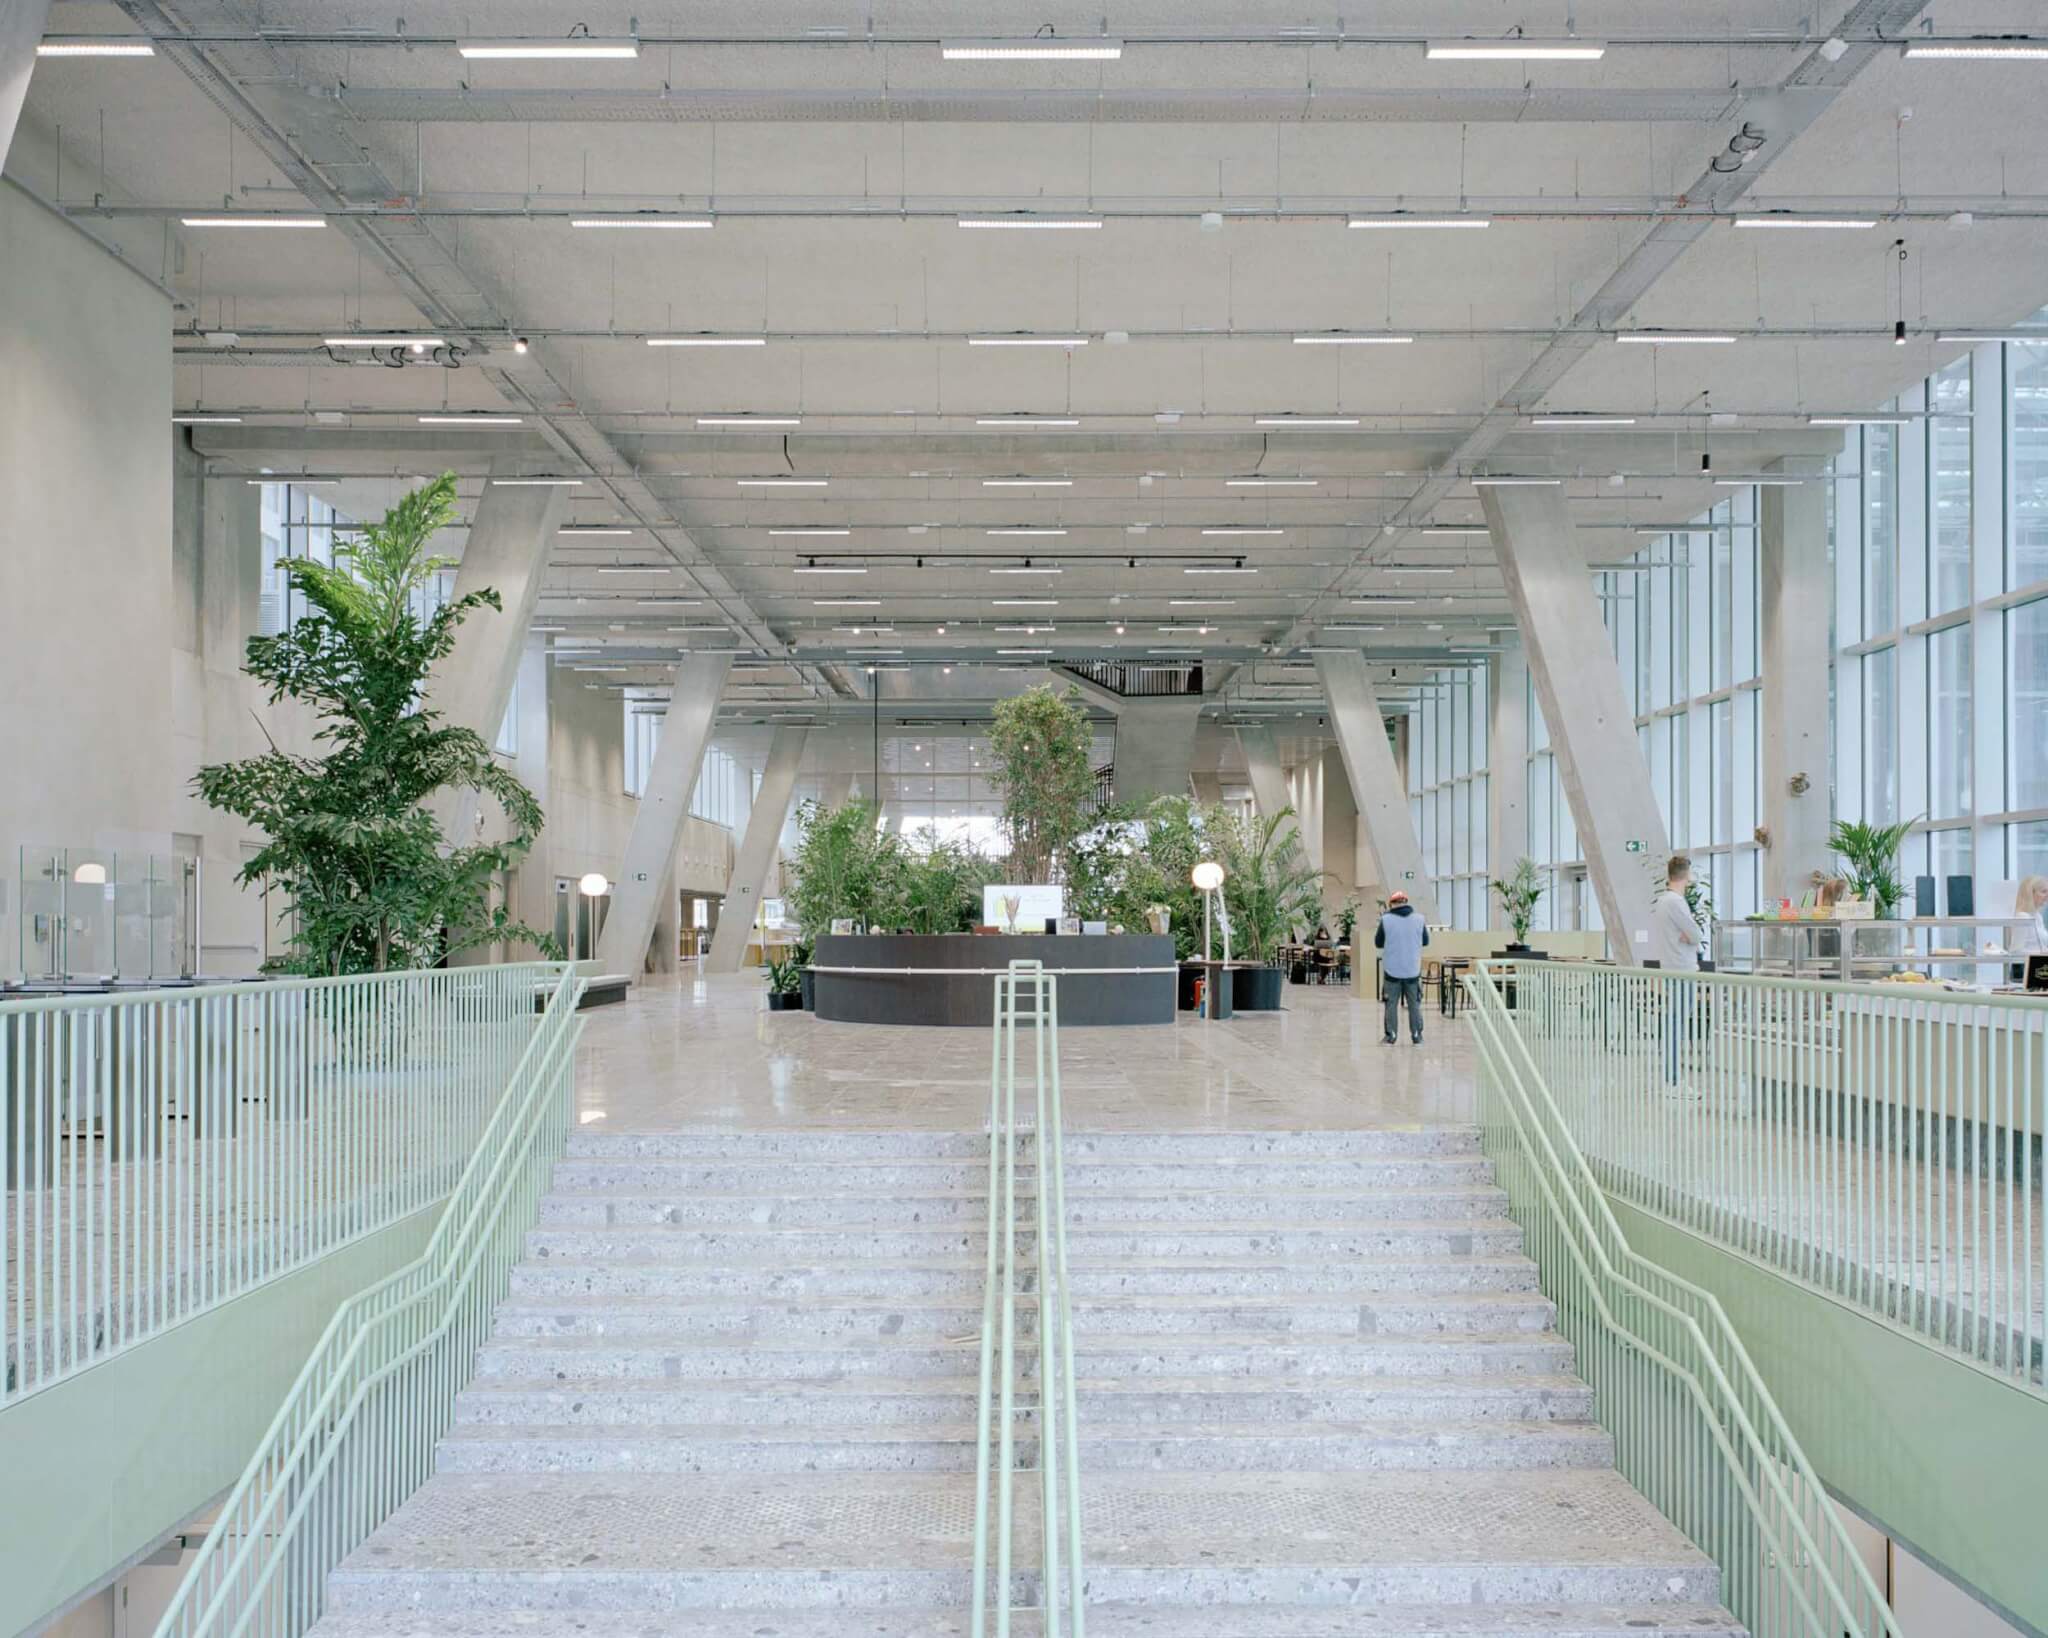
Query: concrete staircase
[{"x": 733, "y": 1393}]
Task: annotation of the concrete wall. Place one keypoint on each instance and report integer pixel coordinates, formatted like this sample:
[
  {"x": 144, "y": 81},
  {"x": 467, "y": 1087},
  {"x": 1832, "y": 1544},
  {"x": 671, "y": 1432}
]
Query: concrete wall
[{"x": 86, "y": 753}]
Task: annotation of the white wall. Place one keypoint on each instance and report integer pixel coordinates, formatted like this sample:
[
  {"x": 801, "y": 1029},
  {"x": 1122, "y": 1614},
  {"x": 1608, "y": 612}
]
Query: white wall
[{"x": 86, "y": 607}]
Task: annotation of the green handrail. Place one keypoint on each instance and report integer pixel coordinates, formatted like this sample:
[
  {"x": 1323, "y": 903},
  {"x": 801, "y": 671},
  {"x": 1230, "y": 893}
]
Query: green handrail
[
  {"x": 1058, "y": 1438},
  {"x": 1694, "y": 1427},
  {"x": 356, "y": 1434}
]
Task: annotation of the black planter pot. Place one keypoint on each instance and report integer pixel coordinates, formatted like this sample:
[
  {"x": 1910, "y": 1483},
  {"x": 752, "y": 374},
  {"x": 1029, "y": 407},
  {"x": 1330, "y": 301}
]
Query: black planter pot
[
  {"x": 785, "y": 1000},
  {"x": 1257, "y": 989},
  {"x": 809, "y": 992}
]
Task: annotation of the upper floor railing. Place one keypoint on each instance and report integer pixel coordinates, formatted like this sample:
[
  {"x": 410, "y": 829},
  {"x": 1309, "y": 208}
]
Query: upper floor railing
[
  {"x": 1694, "y": 1427},
  {"x": 1879, "y": 1141},
  {"x": 166, "y": 1150}
]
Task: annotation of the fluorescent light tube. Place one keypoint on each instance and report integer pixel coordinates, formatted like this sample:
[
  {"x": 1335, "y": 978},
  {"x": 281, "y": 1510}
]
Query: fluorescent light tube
[
  {"x": 1050, "y": 224},
  {"x": 591, "y": 529},
  {"x": 707, "y": 341},
  {"x": 1352, "y": 341},
  {"x": 1200, "y": 602},
  {"x": 1399, "y": 221},
  {"x": 1024, "y": 531},
  {"x": 1024, "y": 631},
  {"x": 1042, "y": 569},
  {"x": 1764, "y": 483},
  {"x": 1306, "y": 421},
  {"x": 519, "y": 50},
  {"x": 481, "y": 419},
  {"x": 1023, "y": 651},
  {"x": 1582, "y": 421},
  {"x": 2017, "y": 50},
  {"x": 1181, "y": 651},
  {"x": 846, "y": 602},
  {"x": 750, "y": 420},
  {"x": 650, "y": 219},
  {"x": 1219, "y": 571},
  {"x": 206, "y": 420},
  {"x": 536, "y": 483},
  {"x": 782, "y": 483},
  {"x": 95, "y": 46},
  {"x": 828, "y": 568},
  {"x": 1516, "y": 51},
  {"x": 296, "y": 483},
  {"x": 1243, "y": 531},
  {"x": 635, "y": 568},
  {"x": 1788, "y": 220},
  {"x": 385, "y": 341},
  {"x": 1034, "y": 50},
  {"x": 1270, "y": 483},
  {"x": 1496, "y": 483},
  {"x": 1672, "y": 338},
  {"x": 1859, "y": 420},
  {"x": 1026, "y": 421},
  {"x": 819, "y": 531},
  {"x": 1024, "y": 602},
  {"x": 253, "y": 219},
  {"x": 1027, "y": 341},
  {"x": 1027, "y": 483}
]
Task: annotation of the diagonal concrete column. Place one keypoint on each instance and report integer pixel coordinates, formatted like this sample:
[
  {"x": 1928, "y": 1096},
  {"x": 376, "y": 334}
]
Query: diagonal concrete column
[
  {"x": 22, "y": 24},
  {"x": 1155, "y": 748},
  {"x": 509, "y": 540},
  {"x": 664, "y": 805},
  {"x": 1507, "y": 770},
  {"x": 1262, "y": 766},
  {"x": 838, "y": 790},
  {"x": 1375, "y": 782},
  {"x": 1592, "y": 729},
  {"x": 756, "y": 852},
  {"x": 1794, "y": 589},
  {"x": 1208, "y": 788}
]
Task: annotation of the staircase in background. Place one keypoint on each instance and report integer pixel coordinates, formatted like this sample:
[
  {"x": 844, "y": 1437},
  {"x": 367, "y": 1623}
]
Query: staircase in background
[{"x": 733, "y": 1393}]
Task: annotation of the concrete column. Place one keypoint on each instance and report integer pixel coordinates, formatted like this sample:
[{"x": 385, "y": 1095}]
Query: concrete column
[
  {"x": 1340, "y": 830},
  {"x": 1262, "y": 765},
  {"x": 1507, "y": 770},
  {"x": 1592, "y": 729},
  {"x": 838, "y": 790},
  {"x": 664, "y": 805},
  {"x": 22, "y": 24},
  {"x": 1208, "y": 788},
  {"x": 756, "y": 852},
  {"x": 666, "y": 946},
  {"x": 1375, "y": 781},
  {"x": 1794, "y": 589},
  {"x": 509, "y": 541},
  {"x": 1155, "y": 747}
]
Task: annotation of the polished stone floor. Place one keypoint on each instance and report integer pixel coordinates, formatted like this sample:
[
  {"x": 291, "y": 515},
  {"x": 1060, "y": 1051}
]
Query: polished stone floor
[{"x": 688, "y": 1051}]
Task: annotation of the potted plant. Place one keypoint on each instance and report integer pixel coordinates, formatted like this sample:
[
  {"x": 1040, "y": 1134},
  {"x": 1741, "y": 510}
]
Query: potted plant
[
  {"x": 1519, "y": 894},
  {"x": 1871, "y": 853},
  {"x": 1269, "y": 889},
  {"x": 807, "y": 981},
  {"x": 1347, "y": 921},
  {"x": 1041, "y": 743},
  {"x": 785, "y": 985}
]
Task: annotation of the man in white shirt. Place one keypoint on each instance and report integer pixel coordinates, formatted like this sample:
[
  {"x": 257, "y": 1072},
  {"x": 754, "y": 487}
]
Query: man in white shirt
[{"x": 1675, "y": 946}]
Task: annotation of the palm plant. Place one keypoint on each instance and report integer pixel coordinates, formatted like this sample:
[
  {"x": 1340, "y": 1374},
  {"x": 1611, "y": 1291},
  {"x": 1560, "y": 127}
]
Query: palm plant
[
  {"x": 1519, "y": 894},
  {"x": 1871, "y": 853},
  {"x": 1268, "y": 885},
  {"x": 351, "y": 839}
]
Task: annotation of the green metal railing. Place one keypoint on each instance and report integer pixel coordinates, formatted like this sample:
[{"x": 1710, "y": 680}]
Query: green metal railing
[
  {"x": 1881, "y": 1142},
  {"x": 1027, "y": 993},
  {"x": 1694, "y": 1427},
  {"x": 357, "y": 1432},
  {"x": 165, "y": 1150}
]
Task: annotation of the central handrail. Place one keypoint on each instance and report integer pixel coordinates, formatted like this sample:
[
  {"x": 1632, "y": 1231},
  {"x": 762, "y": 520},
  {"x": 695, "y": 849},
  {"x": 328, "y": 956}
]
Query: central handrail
[{"x": 1058, "y": 1440}]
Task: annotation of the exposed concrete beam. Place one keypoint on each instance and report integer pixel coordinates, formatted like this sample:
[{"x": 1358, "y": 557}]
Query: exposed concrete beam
[
  {"x": 1591, "y": 725},
  {"x": 1795, "y": 593},
  {"x": 1155, "y": 747},
  {"x": 1376, "y": 786},
  {"x": 756, "y": 853},
  {"x": 664, "y": 805},
  {"x": 22, "y": 25}
]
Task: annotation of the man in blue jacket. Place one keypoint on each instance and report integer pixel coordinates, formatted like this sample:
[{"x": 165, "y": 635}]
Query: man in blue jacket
[{"x": 1401, "y": 938}]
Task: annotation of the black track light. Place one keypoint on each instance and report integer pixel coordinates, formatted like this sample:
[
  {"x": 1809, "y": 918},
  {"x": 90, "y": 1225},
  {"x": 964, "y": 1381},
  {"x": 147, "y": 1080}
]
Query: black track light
[{"x": 1899, "y": 333}]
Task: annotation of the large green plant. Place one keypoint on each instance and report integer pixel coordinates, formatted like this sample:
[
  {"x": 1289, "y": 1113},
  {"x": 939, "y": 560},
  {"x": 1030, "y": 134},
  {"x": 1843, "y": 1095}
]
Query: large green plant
[
  {"x": 1041, "y": 743},
  {"x": 1871, "y": 853},
  {"x": 1174, "y": 841},
  {"x": 372, "y": 881},
  {"x": 1269, "y": 886},
  {"x": 1519, "y": 893},
  {"x": 939, "y": 883},
  {"x": 846, "y": 868},
  {"x": 1100, "y": 863}
]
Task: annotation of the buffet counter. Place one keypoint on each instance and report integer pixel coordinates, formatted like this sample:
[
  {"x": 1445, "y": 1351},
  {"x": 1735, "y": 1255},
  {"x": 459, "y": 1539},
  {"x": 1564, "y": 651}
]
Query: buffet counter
[{"x": 948, "y": 979}]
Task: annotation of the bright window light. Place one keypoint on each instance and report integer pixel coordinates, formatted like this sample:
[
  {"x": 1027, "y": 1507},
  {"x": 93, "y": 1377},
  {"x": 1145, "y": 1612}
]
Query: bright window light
[
  {"x": 1516, "y": 51},
  {"x": 107, "y": 46},
  {"x": 253, "y": 219},
  {"x": 538, "y": 50},
  {"x": 707, "y": 341},
  {"x": 1031, "y": 51},
  {"x": 651, "y": 219}
]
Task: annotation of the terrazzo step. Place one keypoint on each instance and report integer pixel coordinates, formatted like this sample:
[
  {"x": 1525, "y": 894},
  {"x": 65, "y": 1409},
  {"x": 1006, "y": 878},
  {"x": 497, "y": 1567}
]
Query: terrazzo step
[
  {"x": 619, "y": 1542},
  {"x": 1365, "y": 1314},
  {"x": 861, "y": 1402},
  {"x": 964, "y": 1278},
  {"x": 1235, "y": 1447},
  {"x": 1077, "y": 1146},
  {"x": 1440, "y": 1237},
  {"x": 610, "y": 1359},
  {"x": 970, "y": 1208},
  {"x": 1672, "y": 1620},
  {"x": 935, "y": 1175}
]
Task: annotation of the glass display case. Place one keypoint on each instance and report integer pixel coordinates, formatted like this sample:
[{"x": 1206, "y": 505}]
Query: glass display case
[
  {"x": 89, "y": 915},
  {"x": 1940, "y": 946}
]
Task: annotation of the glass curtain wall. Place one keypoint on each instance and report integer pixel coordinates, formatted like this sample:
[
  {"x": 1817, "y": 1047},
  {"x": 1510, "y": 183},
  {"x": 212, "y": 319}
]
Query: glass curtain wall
[{"x": 1447, "y": 789}]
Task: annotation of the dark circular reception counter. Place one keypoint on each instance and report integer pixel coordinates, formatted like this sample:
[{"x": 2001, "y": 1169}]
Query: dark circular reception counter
[{"x": 949, "y": 979}]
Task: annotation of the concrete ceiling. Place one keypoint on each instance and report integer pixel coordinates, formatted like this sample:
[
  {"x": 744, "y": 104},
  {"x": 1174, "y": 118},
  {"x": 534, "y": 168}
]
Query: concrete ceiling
[{"x": 836, "y": 167}]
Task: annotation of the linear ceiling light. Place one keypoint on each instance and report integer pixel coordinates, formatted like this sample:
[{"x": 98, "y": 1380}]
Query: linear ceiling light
[
  {"x": 781, "y": 483},
  {"x": 1495, "y": 483},
  {"x": 846, "y": 602},
  {"x": 254, "y": 219},
  {"x": 1786, "y": 219},
  {"x": 1024, "y": 602},
  {"x": 707, "y": 341},
  {"x": 1034, "y": 50},
  {"x": 1027, "y": 483},
  {"x": 1673, "y": 338},
  {"x": 1306, "y": 421},
  {"x": 829, "y": 568},
  {"x": 817, "y": 531},
  {"x": 1455, "y": 529},
  {"x": 2021, "y": 336},
  {"x": 1050, "y": 224},
  {"x": 1516, "y": 51},
  {"x": 1200, "y": 602},
  {"x": 1231, "y": 570},
  {"x": 634, "y": 568},
  {"x": 1352, "y": 341},
  {"x": 1766, "y": 482},
  {"x": 97, "y": 45},
  {"x": 648, "y": 219},
  {"x": 1042, "y": 568},
  {"x": 1026, "y": 421},
  {"x": 480, "y": 419},
  {"x": 592, "y": 529},
  {"x": 536, "y": 483},
  {"x": 1243, "y": 531},
  {"x": 1025, "y": 631},
  {"x": 1582, "y": 421},
  {"x": 1385, "y": 602},
  {"x": 1027, "y": 341},
  {"x": 750, "y": 420},
  {"x": 2016, "y": 50},
  {"x": 1399, "y": 221},
  {"x": 385, "y": 341},
  {"x": 524, "y": 50},
  {"x": 1024, "y": 531},
  {"x": 206, "y": 420},
  {"x": 1270, "y": 483},
  {"x": 296, "y": 483},
  {"x": 1180, "y": 651},
  {"x": 1859, "y": 420}
]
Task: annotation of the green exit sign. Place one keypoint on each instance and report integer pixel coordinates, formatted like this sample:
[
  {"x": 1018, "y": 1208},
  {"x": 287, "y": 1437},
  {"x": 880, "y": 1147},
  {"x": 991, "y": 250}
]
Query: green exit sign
[{"x": 1632, "y": 847}]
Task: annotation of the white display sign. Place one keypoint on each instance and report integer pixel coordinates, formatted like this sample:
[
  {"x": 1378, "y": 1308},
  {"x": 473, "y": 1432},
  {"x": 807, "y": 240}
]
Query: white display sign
[{"x": 1026, "y": 905}]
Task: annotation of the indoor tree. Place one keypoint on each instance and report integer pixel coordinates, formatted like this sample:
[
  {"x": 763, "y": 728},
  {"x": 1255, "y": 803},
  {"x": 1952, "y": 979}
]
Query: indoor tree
[
  {"x": 373, "y": 883},
  {"x": 845, "y": 868},
  {"x": 1041, "y": 743},
  {"x": 1269, "y": 885}
]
